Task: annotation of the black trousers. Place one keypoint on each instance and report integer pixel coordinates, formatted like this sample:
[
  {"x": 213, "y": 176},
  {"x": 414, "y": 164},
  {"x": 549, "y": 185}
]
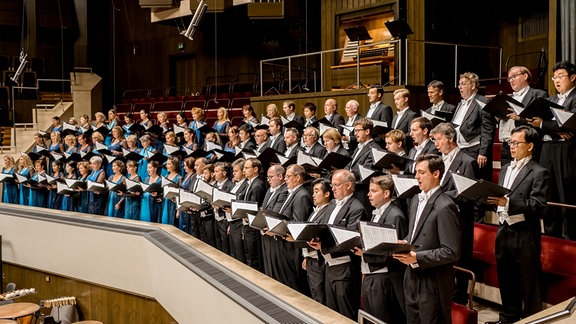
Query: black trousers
[
  {"x": 341, "y": 294},
  {"x": 519, "y": 270},
  {"x": 253, "y": 247},
  {"x": 383, "y": 298},
  {"x": 236, "y": 242},
  {"x": 222, "y": 239},
  {"x": 315, "y": 276}
]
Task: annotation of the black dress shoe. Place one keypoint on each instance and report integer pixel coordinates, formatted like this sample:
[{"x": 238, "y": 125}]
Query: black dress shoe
[{"x": 493, "y": 322}]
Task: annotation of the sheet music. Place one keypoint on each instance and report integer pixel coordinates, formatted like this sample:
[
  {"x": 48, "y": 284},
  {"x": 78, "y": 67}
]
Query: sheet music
[
  {"x": 264, "y": 120},
  {"x": 324, "y": 128},
  {"x": 374, "y": 235},
  {"x": 100, "y": 146},
  {"x": 561, "y": 115},
  {"x": 403, "y": 184},
  {"x": 178, "y": 129},
  {"x": 342, "y": 235},
  {"x": 517, "y": 109},
  {"x": 63, "y": 188},
  {"x": 40, "y": 149},
  {"x": 211, "y": 146},
  {"x": 4, "y": 176},
  {"x": 365, "y": 173},
  {"x": 296, "y": 228},
  {"x": 284, "y": 120},
  {"x": 303, "y": 158},
  {"x": 480, "y": 103},
  {"x": 282, "y": 158},
  {"x": 204, "y": 190},
  {"x": 171, "y": 149},
  {"x": 243, "y": 206},
  {"x": 461, "y": 182},
  {"x": 20, "y": 177},
  {"x": 430, "y": 116},
  {"x": 170, "y": 192},
  {"x": 377, "y": 123}
]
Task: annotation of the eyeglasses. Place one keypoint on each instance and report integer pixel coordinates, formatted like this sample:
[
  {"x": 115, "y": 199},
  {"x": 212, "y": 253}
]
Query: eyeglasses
[
  {"x": 356, "y": 130},
  {"x": 515, "y": 144},
  {"x": 462, "y": 85},
  {"x": 559, "y": 77},
  {"x": 512, "y": 77},
  {"x": 288, "y": 176}
]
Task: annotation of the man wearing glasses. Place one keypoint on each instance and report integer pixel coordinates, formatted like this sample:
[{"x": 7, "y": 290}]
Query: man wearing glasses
[
  {"x": 475, "y": 127},
  {"x": 363, "y": 153},
  {"x": 558, "y": 153},
  {"x": 518, "y": 244}
]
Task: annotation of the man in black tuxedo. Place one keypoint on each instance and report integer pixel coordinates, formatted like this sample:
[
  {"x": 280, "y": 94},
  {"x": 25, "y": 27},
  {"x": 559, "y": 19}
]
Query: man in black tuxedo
[
  {"x": 420, "y": 128},
  {"x": 311, "y": 144},
  {"x": 255, "y": 192},
  {"x": 559, "y": 155},
  {"x": 519, "y": 78},
  {"x": 404, "y": 115},
  {"x": 245, "y": 134},
  {"x": 262, "y": 140},
  {"x": 378, "y": 110},
  {"x": 273, "y": 200},
  {"x": 276, "y": 138},
  {"x": 363, "y": 153},
  {"x": 382, "y": 287},
  {"x": 456, "y": 161},
  {"x": 518, "y": 244},
  {"x": 348, "y": 137},
  {"x": 342, "y": 269},
  {"x": 475, "y": 127},
  {"x": 309, "y": 110},
  {"x": 289, "y": 108},
  {"x": 331, "y": 114},
  {"x": 224, "y": 184},
  {"x": 235, "y": 226},
  {"x": 436, "y": 97},
  {"x": 435, "y": 229},
  {"x": 298, "y": 205},
  {"x": 292, "y": 141}
]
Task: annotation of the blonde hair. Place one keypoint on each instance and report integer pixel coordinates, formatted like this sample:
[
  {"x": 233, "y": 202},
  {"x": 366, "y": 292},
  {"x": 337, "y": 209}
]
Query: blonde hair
[
  {"x": 27, "y": 161},
  {"x": 198, "y": 111},
  {"x": 98, "y": 136},
  {"x": 71, "y": 138},
  {"x": 225, "y": 113}
]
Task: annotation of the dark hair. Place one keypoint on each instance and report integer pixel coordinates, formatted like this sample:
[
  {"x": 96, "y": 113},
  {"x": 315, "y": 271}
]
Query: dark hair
[
  {"x": 129, "y": 116},
  {"x": 183, "y": 115},
  {"x": 58, "y": 163},
  {"x": 56, "y": 118},
  {"x": 176, "y": 162},
  {"x": 155, "y": 164},
  {"x": 424, "y": 123},
  {"x": 325, "y": 186},
  {"x": 530, "y": 134},
  {"x": 385, "y": 182},
  {"x": 311, "y": 106},
  {"x": 189, "y": 162},
  {"x": 435, "y": 163},
  {"x": 255, "y": 164},
  {"x": 436, "y": 84},
  {"x": 568, "y": 66},
  {"x": 378, "y": 88}
]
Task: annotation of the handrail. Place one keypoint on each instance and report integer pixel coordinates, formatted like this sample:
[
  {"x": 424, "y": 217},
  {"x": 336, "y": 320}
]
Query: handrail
[
  {"x": 561, "y": 205},
  {"x": 400, "y": 52}
]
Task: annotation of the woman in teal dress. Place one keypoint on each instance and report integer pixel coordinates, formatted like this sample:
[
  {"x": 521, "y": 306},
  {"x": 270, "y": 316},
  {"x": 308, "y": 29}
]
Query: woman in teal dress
[
  {"x": 146, "y": 142},
  {"x": 184, "y": 216},
  {"x": 151, "y": 207},
  {"x": 38, "y": 193},
  {"x": 116, "y": 145},
  {"x": 196, "y": 123},
  {"x": 54, "y": 198},
  {"x": 132, "y": 199},
  {"x": 55, "y": 148},
  {"x": 83, "y": 195},
  {"x": 113, "y": 121},
  {"x": 68, "y": 201},
  {"x": 25, "y": 168},
  {"x": 116, "y": 198},
  {"x": 96, "y": 201},
  {"x": 222, "y": 125},
  {"x": 10, "y": 188},
  {"x": 169, "y": 206}
]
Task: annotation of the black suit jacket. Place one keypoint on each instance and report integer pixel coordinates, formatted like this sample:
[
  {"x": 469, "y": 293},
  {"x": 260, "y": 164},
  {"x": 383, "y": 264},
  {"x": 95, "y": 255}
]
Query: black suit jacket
[
  {"x": 364, "y": 158},
  {"x": 226, "y": 187},
  {"x": 429, "y": 148},
  {"x": 298, "y": 206},
  {"x": 310, "y": 122},
  {"x": 299, "y": 119},
  {"x": 446, "y": 107},
  {"x": 531, "y": 94},
  {"x": 478, "y": 122},
  {"x": 394, "y": 216},
  {"x": 264, "y": 146},
  {"x": 256, "y": 191},
  {"x": 317, "y": 150},
  {"x": 382, "y": 113},
  {"x": 294, "y": 151},
  {"x": 404, "y": 123},
  {"x": 341, "y": 150},
  {"x": 528, "y": 193},
  {"x": 274, "y": 201},
  {"x": 462, "y": 164},
  {"x": 438, "y": 236},
  {"x": 349, "y": 216},
  {"x": 279, "y": 144},
  {"x": 336, "y": 120},
  {"x": 250, "y": 145}
]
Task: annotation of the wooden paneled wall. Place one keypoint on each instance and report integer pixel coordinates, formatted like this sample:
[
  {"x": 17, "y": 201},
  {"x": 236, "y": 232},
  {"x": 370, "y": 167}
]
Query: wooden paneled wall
[{"x": 95, "y": 302}]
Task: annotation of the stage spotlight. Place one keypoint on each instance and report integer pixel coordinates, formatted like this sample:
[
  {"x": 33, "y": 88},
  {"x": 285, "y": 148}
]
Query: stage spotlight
[
  {"x": 196, "y": 19},
  {"x": 23, "y": 61}
]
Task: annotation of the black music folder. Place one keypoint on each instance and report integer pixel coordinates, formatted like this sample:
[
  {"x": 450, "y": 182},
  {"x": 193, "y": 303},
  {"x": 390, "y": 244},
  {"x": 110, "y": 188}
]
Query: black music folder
[
  {"x": 405, "y": 186},
  {"x": 133, "y": 186},
  {"x": 344, "y": 240},
  {"x": 240, "y": 208},
  {"x": 473, "y": 189},
  {"x": 257, "y": 221},
  {"x": 96, "y": 187},
  {"x": 133, "y": 156},
  {"x": 358, "y": 33},
  {"x": 305, "y": 232},
  {"x": 385, "y": 160},
  {"x": 540, "y": 107},
  {"x": 565, "y": 119},
  {"x": 434, "y": 119},
  {"x": 112, "y": 186},
  {"x": 76, "y": 184},
  {"x": 291, "y": 123},
  {"x": 153, "y": 187},
  {"x": 499, "y": 105},
  {"x": 7, "y": 177}
]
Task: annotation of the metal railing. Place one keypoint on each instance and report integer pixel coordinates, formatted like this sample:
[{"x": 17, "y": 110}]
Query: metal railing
[{"x": 398, "y": 50}]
